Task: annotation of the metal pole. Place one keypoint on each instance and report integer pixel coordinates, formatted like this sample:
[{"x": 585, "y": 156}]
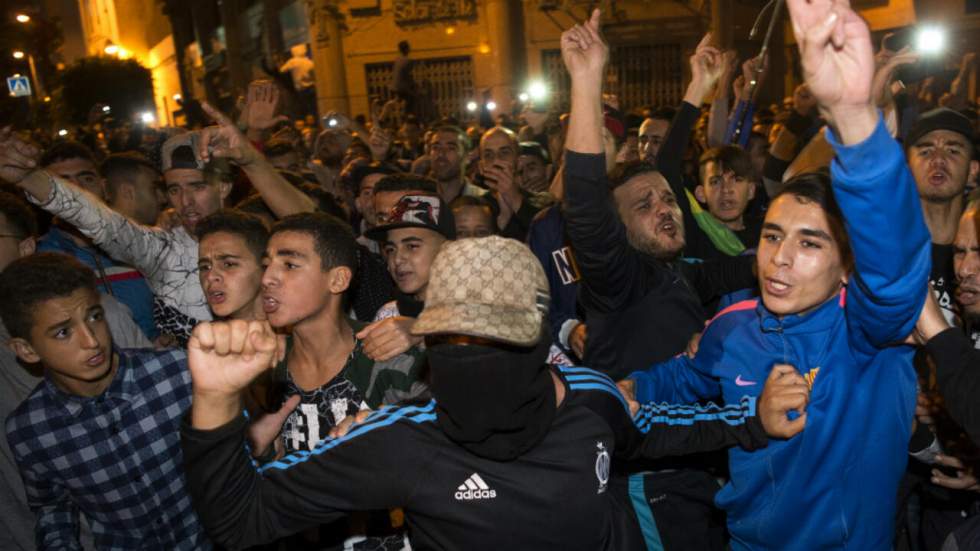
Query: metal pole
[
  {"x": 37, "y": 82},
  {"x": 754, "y": 83}
]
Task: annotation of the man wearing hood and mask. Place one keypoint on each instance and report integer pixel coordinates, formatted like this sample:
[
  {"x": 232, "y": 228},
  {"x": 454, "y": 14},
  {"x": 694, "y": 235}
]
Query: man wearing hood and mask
[{"x": 506, "y": 439}]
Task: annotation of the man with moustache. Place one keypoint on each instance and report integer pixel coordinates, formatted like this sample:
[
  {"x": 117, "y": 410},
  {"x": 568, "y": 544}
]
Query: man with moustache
[
  {"x": 966, "y": 264},
  {"x": 447, "y": 147}
]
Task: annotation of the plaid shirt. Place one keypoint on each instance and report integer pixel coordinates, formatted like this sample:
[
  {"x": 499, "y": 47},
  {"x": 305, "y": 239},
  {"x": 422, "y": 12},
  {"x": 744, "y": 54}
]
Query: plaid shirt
[{"x": 115, "y": 457}]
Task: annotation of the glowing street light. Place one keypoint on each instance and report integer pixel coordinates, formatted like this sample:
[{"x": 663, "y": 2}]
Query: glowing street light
[
  {"x": 523, "y": 96},
  {"x": 491, "y": 105},
  {"x": 106, "y": 108},
  {"x": 178, "y": 97},
  {"x": 147, "y": 117},
  {"x": 538, "y": 90},
  {"x": 930, "y": 40},
  {"x": 23, "y": 18},
  {"x": 62, "y": 132},
  {"x": 471, "y": 106},
  {"x": 18, "y": 54}
]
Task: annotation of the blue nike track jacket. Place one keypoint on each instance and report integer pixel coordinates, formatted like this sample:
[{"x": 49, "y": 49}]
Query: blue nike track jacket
[{"x": 834, "y": 485}]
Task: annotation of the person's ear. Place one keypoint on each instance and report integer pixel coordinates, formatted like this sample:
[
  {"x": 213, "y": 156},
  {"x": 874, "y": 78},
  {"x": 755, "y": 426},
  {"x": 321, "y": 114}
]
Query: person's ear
[
  {"x": 752, "y": 187},
  {"x": 27, "y": 246},
  {"x": 974, "y": 170},
  {"x": 24, "y": 350},
  {"x": 700, "y": 195},
  {"x": 339, "y": 279},
  {"x": 128, "y": 192},
  {"x": 225, "y": 189}
]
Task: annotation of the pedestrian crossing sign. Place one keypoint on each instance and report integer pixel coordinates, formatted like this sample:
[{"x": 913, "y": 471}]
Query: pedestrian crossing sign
[{"x": 19, "y": 86}]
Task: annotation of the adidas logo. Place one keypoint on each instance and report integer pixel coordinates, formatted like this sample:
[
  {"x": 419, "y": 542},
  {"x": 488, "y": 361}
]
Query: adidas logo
[{"x": 474, "y": 488}]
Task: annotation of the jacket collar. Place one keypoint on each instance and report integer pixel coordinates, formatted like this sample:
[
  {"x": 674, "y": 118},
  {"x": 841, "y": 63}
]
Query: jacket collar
[{"x": 821, "y": 318}]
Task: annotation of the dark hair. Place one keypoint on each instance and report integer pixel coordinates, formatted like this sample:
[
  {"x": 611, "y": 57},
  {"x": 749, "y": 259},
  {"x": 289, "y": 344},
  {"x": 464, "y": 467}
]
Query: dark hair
[
  {"x": 18, "y": 214},
  {"x": 406, "y": 182},
  {"x": 64, "y": 150},
  {"x": 27, "y": 282},
  {"x": 404, "y": 47},
  {"x": 325, "y": 201},
  {"x": 359, "y": 172},
  {"x": 122, "y": 167},
  {"x": 534, "y": 149},
  {"x": 729, "y": 157},
  {"x": 247, "y": 226},
  {"x": 663, "y": 114},
  {"x": 333, "y": 238},
  {"x": 461, "y": 137},
  {"x": 624, "y": 172},
  {"x": 253, "y": 204},
  {"x": 470, "y": 201},
  {"x": 815, "y": 187},
  {"x": 279, "y": 148}
]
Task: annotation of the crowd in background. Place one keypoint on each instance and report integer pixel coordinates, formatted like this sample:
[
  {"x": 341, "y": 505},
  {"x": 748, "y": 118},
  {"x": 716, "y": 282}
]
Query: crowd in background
[{"x": 331, "y": 230}]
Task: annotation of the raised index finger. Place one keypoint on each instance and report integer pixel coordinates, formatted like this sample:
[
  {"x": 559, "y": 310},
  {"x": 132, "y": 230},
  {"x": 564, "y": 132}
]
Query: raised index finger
[{"x": 216, "y": 116}]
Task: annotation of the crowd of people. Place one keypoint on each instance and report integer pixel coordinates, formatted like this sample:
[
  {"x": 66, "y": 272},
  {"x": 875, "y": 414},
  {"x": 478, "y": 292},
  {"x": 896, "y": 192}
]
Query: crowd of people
[{"x": 713, "y": 325}]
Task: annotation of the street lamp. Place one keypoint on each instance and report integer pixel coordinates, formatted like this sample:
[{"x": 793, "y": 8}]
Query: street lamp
[
  {"x": 19, "y": 54},
  {"x": 23, "y": 18}
]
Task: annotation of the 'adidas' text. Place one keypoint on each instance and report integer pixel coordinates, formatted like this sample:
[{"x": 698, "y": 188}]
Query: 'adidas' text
[{"x": 474, "y": 488}]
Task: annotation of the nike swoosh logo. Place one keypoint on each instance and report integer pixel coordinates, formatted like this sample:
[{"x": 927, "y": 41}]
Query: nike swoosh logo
[{"x": 742, "y": 382}]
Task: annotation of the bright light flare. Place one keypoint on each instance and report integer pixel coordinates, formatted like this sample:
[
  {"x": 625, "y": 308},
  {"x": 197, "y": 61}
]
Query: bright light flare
[
  {"x": 112, "y": 49},
  {"x": 106, "y": 108},
  {"x": 538, "y": 90},
  {"x": 147, "y": 117},
  {"x": 523, "y": 96},
  {"x": 178, "y": 97},
  {"x": 23, "y": 18},
  {"x": 491, "y": 105},
  {"x": 930, "y": 40},
  {"x": 471, "y": 106},
  {"x": 62, "y": 132},
  {"x": 18, "y": 54}
]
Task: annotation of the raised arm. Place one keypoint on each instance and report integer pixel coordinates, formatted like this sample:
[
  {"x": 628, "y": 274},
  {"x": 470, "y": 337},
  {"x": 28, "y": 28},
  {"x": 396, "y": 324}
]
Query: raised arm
[
  {"x": 871, "y": 181},
  {"x": 123, "y": 239},
  {"x": 718, "y": 118},
  {"x": 226, "y": 140},
  {"x": 242, "y": 505},
  {"x": 611, "y": 270}
]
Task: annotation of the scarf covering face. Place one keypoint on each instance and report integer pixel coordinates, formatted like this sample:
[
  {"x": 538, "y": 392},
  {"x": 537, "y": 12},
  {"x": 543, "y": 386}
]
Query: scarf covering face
[{"x": 497, "y": 403}]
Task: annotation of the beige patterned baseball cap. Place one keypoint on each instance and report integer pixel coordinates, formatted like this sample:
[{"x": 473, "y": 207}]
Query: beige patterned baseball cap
[{"x": 489, "y": 287}]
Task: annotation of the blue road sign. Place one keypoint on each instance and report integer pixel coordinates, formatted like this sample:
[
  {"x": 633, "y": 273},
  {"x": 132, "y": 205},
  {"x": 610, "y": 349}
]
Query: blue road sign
[{"x": 19, "y": 86}]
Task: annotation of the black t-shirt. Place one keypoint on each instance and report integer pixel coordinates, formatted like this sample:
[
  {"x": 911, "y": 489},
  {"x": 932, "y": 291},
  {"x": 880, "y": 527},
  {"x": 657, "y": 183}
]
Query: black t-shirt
[{"x": 943, "y": 279}]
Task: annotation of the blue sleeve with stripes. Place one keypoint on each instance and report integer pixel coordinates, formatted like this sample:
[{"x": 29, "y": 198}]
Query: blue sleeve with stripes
[{"x": 676, "y": 380}]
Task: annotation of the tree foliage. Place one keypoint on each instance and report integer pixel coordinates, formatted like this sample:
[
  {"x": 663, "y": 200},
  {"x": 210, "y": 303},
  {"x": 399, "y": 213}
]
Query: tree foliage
[{"x": 123, "y": 84}]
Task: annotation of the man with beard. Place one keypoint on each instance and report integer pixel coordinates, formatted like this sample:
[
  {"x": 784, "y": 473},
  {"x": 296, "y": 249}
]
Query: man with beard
[
  {"x": 634, "y": 285},
  {"x": 652, "y": 133},
  {"x": 940, "y": 151},
  {"x": 448, "y": 151},
  {"x": 506, "y": 439},
  {"x": 966, "y": 264}
]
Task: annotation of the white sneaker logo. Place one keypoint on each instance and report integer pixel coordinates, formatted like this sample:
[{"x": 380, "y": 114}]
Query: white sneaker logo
[{"x": 474, "y": 488}]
